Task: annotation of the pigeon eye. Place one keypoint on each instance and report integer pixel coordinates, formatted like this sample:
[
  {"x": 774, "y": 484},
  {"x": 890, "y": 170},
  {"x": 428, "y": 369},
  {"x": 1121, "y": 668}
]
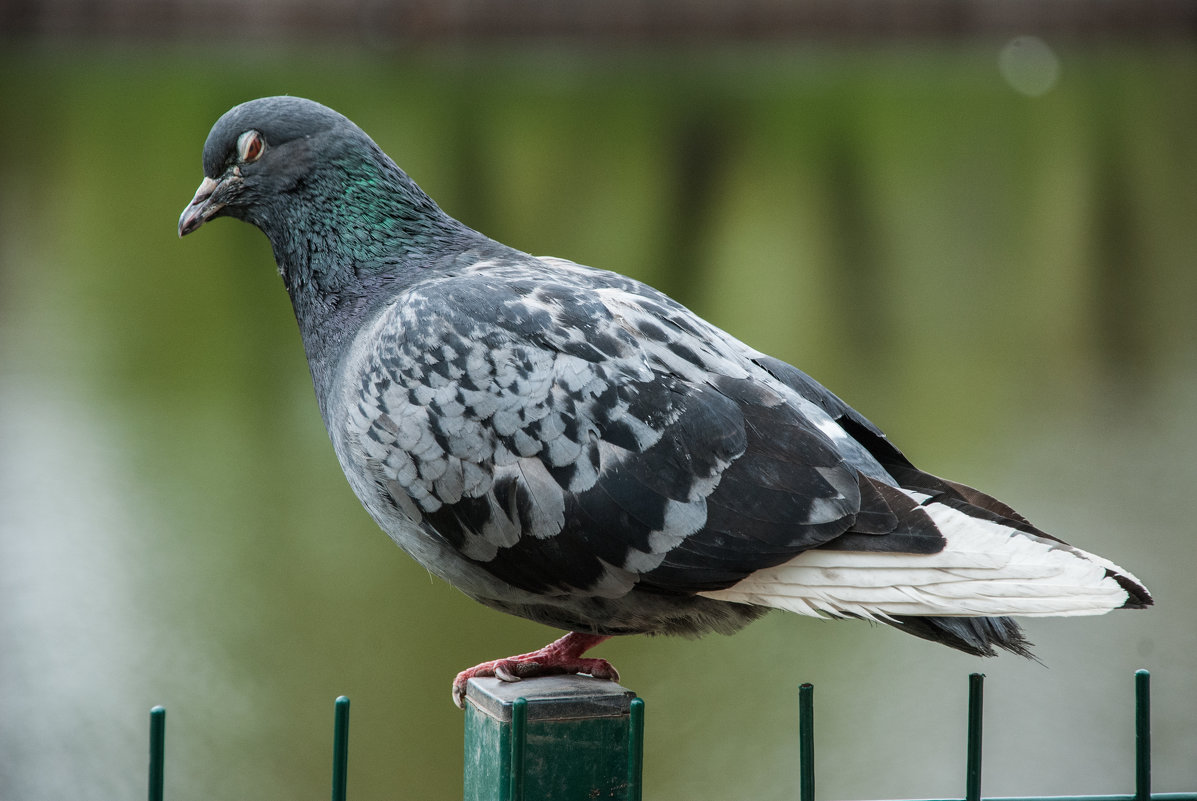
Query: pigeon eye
[{"x": 250, "y": 146}]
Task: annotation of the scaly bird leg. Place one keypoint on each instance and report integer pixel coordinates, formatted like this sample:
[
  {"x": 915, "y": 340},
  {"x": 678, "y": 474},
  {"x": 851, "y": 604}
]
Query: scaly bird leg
[{"x": 564, "y": 656}]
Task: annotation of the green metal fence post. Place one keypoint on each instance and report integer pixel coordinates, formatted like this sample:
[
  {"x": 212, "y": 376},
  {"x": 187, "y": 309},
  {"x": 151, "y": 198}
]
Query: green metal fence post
[
  {"x": 636, "y": 749},
  {"x": 558, "y": 737},
  {"x": 972, "y": 783},
  {"x": 157, "y": 752},
  {"x": 1142, "y": 735},
  {"x": 806, "y": 742},
  {"x": 340, "y": 769}
]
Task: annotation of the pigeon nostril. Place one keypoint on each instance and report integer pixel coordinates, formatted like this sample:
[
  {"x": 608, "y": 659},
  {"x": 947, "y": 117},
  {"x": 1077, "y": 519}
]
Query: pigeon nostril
[{"x": 205, "y": 191}]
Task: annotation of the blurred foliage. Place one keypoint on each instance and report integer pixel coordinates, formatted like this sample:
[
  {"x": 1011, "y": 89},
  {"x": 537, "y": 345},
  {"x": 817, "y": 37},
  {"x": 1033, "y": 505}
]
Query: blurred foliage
[{"x": 977, "y": 270}]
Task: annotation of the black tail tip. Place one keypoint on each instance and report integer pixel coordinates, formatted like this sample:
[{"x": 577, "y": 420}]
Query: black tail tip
[{"x": 1137, "y": 596}]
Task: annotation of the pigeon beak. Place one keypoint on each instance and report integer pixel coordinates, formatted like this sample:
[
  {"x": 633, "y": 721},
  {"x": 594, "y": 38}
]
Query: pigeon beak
[{"x": 202, "y": 207}]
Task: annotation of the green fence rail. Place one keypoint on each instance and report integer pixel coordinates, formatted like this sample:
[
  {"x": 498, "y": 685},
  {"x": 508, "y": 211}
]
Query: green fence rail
[{"x": 571, "y": 737}]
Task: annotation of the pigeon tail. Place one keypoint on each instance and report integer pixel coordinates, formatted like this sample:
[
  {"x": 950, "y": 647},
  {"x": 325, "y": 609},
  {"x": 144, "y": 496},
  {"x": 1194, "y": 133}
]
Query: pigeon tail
[{"x": 987, "y": 568}]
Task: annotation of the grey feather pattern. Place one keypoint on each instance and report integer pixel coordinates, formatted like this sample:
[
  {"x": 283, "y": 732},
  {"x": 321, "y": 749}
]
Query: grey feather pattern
[{"x": 573, "y": 433}]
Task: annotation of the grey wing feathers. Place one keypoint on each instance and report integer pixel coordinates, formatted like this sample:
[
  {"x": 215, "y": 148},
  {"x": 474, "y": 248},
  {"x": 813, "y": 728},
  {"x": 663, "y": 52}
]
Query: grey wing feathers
[{"x": 572, "y": 431}]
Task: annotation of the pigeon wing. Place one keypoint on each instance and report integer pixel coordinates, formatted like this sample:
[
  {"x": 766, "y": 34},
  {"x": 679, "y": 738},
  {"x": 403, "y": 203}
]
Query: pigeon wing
[{"x": 571, "y": 431}]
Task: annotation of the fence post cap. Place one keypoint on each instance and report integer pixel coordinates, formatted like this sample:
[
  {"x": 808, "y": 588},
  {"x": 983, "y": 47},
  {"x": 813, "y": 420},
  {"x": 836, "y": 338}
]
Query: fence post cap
[{"x": 550, "y": 697}]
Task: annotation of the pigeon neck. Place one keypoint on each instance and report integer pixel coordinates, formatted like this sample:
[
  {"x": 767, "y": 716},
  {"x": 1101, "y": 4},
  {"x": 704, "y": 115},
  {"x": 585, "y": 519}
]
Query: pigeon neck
[
  {"x": 348, "y": 245},
  {"x": 351, "y": 221}
]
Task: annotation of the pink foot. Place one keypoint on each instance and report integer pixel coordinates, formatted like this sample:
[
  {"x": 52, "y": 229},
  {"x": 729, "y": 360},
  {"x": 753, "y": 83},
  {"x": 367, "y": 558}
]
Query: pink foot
[{"x": 562, "y": 657}]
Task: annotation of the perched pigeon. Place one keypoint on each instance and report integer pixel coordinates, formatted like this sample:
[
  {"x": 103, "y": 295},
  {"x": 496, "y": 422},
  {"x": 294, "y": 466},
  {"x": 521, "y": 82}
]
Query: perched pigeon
[{"x": 571, "y": 446}]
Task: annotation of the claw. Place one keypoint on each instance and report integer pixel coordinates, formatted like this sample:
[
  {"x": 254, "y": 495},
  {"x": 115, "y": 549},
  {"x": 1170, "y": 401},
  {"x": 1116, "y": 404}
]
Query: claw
[{"x": 504, "y": 671}]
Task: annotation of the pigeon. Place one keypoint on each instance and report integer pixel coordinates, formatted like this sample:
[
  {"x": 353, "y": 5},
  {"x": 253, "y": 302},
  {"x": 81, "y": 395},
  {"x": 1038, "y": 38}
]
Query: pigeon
[{"x": 571, "y": 446}]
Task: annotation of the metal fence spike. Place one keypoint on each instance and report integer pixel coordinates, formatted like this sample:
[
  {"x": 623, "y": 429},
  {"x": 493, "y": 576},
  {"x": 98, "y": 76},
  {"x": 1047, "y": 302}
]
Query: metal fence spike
[
  {"x": 972, "y": 781},
  {"x": 806, "y": 742},
  {"x": 157, "y": 752},
  {"x": 340, "y": 770}
]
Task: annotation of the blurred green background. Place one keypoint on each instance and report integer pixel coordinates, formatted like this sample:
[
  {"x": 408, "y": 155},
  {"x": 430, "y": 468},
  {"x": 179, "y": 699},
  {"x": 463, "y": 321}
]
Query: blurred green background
[{"x": 989, "y": 254}]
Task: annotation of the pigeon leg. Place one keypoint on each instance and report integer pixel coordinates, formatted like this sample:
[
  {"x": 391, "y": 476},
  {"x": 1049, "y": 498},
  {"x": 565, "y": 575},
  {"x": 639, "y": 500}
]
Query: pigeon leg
[{"x": 563, "y": 656}]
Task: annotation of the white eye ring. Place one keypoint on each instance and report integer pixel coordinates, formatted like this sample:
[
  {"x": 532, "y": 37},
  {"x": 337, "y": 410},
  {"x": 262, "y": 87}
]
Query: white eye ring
[{"x": 250, "y": 146}]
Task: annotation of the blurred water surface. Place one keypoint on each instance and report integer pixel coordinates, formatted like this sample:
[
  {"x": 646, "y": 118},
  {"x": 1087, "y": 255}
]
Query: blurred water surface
[{"x": 1001, "y": 277}]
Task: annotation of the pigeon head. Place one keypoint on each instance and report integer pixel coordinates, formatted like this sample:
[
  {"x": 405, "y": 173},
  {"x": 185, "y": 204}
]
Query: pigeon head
[
  {"x": 312, "y": 181},
  {"x": 263, "y": 149}
]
